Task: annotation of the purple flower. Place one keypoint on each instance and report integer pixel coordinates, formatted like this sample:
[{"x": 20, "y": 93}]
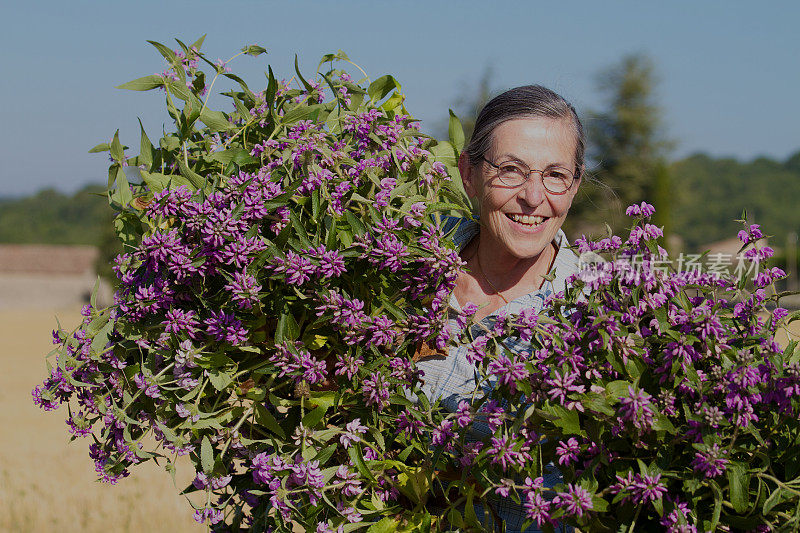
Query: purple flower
[
  {"x": 350, "y": 479},
  {"x": 464, "y": 414},
  {"x": 245, "y": 289},
  {"x": 408, "y": 424},
  {"x": 636, "y": 408},
  {"x": 226, "y": 327},
  {"x": 648, "y": 488},
  {"x": 537, "y": 509},
  {"x": 200, "y": 481},
  {"x": 297, "y": 268},
  {"x": 575, "y": 501},
  {"x": 180, "y": 321},
  {"x": 568, "y": 451},
  {"x": 352, "y": 433},
  {"x": 415, "y": 214},
  {"x": 213, "y": 516},
  {"x": 710, "y": 463},
  {"x": 508, "y": 372},
  {"x": 443, "y": 434},
  {"x": 752, "y": 234},
  {"x": 376, "y": 391}
]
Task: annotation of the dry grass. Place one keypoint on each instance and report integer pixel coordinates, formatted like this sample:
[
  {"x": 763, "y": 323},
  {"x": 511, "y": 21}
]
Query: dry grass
[{"x": 47, "y": 483}]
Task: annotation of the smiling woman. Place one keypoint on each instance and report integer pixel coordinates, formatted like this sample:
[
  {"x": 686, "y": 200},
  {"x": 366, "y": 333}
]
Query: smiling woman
[
  {"x": 521, "y": 210},
  {"x": 523, "y": 166}
]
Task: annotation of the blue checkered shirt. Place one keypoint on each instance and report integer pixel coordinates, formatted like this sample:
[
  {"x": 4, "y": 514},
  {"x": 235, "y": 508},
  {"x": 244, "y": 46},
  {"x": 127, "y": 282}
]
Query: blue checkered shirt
[{"x": 451, "y": 379}]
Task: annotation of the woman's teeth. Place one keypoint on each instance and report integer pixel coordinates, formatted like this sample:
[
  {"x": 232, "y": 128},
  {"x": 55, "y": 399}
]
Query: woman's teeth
[{"x": 527, "y": 220}]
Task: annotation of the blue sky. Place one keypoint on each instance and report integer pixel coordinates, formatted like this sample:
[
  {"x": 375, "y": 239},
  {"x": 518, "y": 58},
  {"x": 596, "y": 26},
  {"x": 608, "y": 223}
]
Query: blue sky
[{"x": 729, "y": 70}]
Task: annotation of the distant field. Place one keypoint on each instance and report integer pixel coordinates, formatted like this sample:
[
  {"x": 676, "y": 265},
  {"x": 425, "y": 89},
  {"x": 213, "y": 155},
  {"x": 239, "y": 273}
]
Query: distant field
[{"x": 47, "y": 483}]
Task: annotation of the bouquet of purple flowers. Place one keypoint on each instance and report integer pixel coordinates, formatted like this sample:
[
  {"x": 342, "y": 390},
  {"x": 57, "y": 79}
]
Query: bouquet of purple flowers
[
  {"x": 662, "y": 397},
  {"x": 286, "y": 259}
]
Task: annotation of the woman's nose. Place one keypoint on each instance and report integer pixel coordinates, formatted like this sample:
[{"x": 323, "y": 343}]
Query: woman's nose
[{"x": 533, "y": 191}]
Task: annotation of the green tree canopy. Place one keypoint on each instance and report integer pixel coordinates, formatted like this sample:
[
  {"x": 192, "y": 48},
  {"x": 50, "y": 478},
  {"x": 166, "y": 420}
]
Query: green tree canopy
[{"x": 626, "y": 150}]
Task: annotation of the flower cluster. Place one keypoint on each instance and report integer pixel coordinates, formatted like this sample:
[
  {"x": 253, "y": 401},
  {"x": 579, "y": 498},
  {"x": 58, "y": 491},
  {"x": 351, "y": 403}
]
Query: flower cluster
[
  {"x": 283, "y": 261},
  {"x": 660, "y": 398}
]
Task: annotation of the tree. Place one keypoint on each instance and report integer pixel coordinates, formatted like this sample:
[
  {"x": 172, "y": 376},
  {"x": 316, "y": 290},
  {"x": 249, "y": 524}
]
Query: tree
[{"x": 626, "y": 151}]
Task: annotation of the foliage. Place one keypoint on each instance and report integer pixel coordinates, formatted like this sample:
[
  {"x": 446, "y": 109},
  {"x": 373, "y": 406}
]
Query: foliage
[
  {"x": 51, "y": 217},
  {"x": 710, "y": 193}
]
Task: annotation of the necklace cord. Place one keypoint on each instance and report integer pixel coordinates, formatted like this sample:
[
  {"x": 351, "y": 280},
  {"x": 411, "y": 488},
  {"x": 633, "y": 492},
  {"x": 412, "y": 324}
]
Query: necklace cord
[{"x": 483, "y": 273}]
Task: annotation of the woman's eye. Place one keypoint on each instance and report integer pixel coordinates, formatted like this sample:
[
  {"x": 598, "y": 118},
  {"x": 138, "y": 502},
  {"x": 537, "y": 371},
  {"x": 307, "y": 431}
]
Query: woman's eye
[
  {"x": 510, "y": 169},
  {"x": 556, "y": 174}
]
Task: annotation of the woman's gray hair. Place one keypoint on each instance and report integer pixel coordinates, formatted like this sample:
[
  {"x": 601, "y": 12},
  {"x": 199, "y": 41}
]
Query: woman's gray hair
[{"x": 520, "y": 102}]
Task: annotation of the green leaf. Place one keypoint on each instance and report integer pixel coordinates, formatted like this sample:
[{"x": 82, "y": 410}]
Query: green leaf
[
  {"x": 237, "y": 155},
  {"x": 358, "y": 459},
  {"x": 287, "y": 330},
  {"x": 566, "y": 419},
  {"x": 254, "y": 50},
  {"x": 102, "y": 147},
  {"x": 168, "y": 54},
  {"x": 456, "y": 132},
  {"x": 738, "y": 485},
  {"x": 300, "y": 77},
  {"x": 302, "y": 112},
  {"x": 662, "y": 423},
  {"x": 206, "y": 455},
  {"x": 469, "y": 511},
  {"x": 198, "y": 43},
  {"x": 145, "y": 83},
  {"x": 117, "y": 150},
  {"x": 617, "y": 389},
  {"x": 179, "y": 89},
  {"x": 599, "y": 504},
  {"x": 219, "y": 379},
  {"x": 663, "y": 319},
  {"x": 155, "y": 181},
  {"x": 385, "y": 525},
  {"x": 215, "y": 120},
  {"x": 313, "y": 417},
  {"x": 122, "y": 191},
  {"x": 146, "y": 149},
  {"x": 197, "y": 181},
  {"x": 774, "y": 500},
  {"x": 379, "y": 88},
  {"x": 717, "y": 506},
  {"x": 272, "y": 87},
  {"x": 355, "y": 223},
  {"x": 265, "y": 418}
]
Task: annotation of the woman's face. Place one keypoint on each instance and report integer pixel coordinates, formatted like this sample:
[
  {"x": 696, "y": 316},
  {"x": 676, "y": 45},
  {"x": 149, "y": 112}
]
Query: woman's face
[{"x": 522, "y": 220}]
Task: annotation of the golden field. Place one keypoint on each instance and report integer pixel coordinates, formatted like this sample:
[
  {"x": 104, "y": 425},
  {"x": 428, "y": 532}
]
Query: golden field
[{"x": 46, "y": 482}]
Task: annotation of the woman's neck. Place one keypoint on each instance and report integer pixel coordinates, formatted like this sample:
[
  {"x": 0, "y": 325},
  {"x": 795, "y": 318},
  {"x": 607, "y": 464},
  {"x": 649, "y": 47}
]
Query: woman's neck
[{"x": 495, "y": 277}]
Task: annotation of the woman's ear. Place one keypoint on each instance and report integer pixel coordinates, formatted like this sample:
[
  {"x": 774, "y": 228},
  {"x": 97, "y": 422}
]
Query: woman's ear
[
  {"x": 467, "y": 175},
  {"x": 579, "y": 177}
]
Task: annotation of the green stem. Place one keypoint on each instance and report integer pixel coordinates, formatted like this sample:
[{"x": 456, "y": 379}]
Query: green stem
[
  {"x": 778, "y": 482},
  {"x": 139, "y": 392},
  {"x": 235, "y": 429}
]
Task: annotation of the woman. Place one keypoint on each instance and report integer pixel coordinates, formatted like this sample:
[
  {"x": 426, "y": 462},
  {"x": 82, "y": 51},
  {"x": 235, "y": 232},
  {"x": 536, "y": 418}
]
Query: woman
[{"x": 523, "y": 165}]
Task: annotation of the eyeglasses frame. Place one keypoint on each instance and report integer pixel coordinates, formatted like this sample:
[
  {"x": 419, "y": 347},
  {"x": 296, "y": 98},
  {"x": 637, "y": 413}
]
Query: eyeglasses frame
[{"x": 575, "y": 175}]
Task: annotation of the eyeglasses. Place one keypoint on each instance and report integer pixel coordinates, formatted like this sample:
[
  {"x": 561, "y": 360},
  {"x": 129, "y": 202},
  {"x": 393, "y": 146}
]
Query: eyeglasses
[{"x": 556, "y": 180}]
